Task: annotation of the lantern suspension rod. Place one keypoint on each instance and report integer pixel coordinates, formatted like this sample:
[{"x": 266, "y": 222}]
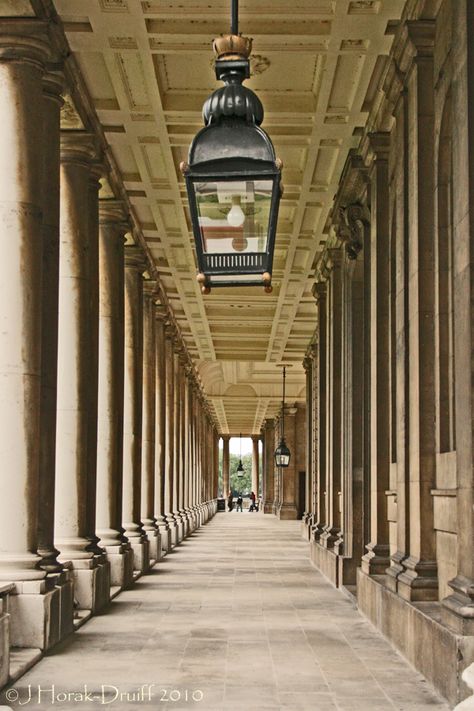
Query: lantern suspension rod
[
  {"x": 234, "y": 28},
  {"x": 283, "y": 405}
]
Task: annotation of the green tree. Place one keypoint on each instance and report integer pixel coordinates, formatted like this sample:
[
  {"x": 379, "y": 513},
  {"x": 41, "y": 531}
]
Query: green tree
[{"x": 241, "y": 484}]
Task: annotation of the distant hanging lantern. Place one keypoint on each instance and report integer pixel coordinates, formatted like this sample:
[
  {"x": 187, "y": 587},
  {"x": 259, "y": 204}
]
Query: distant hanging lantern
[
  {"x": 282, "y": 453},
  {"x": 233, "y": 178},
  {"x": 240, "y": 468}
]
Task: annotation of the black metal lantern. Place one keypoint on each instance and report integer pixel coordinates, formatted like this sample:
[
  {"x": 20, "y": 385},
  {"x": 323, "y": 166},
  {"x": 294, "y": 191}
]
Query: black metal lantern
[
  {"x": 240, "y": 468},
  {"x": 233, "y": 178},
  {"x": 282, "y": 453}
]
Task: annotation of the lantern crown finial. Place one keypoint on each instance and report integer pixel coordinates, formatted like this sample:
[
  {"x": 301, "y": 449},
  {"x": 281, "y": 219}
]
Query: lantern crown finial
[{"x": 229, "y": 47}]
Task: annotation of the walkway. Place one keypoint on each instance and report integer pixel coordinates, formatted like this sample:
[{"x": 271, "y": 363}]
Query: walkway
[{"x": 236, "y": 615}]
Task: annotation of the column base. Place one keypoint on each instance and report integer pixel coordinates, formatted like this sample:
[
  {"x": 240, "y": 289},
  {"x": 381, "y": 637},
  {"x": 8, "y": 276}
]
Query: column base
[
  {"x": 165, "y": 537},
  {"x": 268, "y": 507},
  {"x": 173, "y": 527},
  {"x": 141, "y": 554},
  {"x": 121, "y": 565},
  {"x": 329, "y": 536},
  {"x": 41, "y": 612},
  {"x": 458, "y": 608},
  {"x": 419, "y": 580},
  {"x": 154, "y": 542},
  {"x": 287, "y": 512},
  {"x": 179, "y": 527},
  {"x": 376, "y": 560},
  {"x": 92, "y": 583},
  {"x": 337, "y": 568},
  {"x": 435, "y": 650},
  {"x": 394, "y": 570},
  {"x": 4, "y": 636},
  {"x": 306, "y": 524}
]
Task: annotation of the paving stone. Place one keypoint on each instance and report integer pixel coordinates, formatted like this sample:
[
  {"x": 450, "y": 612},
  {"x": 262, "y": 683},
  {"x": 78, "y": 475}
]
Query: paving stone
[{"x": 240, "y": 616}]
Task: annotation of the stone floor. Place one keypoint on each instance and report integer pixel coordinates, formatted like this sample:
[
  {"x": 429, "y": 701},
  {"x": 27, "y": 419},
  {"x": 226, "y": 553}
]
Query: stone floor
[{"x": 235, "y": 618}]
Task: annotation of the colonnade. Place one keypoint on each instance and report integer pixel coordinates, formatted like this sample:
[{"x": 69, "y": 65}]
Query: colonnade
[
  {"x": 388, "y": 508},
  {"x": 109, "y": 450}
]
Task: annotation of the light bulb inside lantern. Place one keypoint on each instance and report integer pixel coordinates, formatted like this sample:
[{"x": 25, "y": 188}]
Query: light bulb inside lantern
[{"x": 236, "y": 216}]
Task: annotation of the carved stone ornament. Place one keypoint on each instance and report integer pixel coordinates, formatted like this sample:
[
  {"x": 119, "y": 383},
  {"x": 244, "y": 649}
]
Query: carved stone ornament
[{"x": 352, "y": 222}]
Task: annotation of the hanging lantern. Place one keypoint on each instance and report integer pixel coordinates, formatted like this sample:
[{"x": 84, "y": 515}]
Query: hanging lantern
[
  {"x": 282, "y": 453},
  {"x": 240, "y": 468},
  {"x": 233, "y": 178}
]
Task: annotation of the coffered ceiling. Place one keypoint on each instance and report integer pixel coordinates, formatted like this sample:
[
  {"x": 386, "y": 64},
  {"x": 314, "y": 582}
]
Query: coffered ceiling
[{"x": 148, "y": 68}]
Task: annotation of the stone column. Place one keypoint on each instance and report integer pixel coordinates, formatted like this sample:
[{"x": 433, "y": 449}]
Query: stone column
[
  {"x": 225, "y": 465},
  {"x": 148, "y": 422},
  {"x": 169, "y": 434},
  {"x": 74, "y": 354},
  {"x": 419, "y": 580},
  {"x": 458, "y": 608},
  {"x": 76, "y": 431},
  {"x": 22, "y": 147},
  {"x": 401, "y": 354},
  {"x": 332, "y": 535},
  {"x": 295, "y": 439},
  {"x": 320, "y": 438},
  {"x": 96, "y": 173},
  {"x": 307, "y": 515},
  {"x": 160, "y": 428},
  {"x": 182, "y": 442},
  {"x": 176, "y": 442},
  {"x": 377, "y": 558},
  {"x": 188, "y": 448},
  {"x": 255, "y": 464},
  {"x": 269, "y": 465},
  {"x": 132, "y": 410},
  {"x": 52, "y": 88},
  {"x": 112, "y": 228}
]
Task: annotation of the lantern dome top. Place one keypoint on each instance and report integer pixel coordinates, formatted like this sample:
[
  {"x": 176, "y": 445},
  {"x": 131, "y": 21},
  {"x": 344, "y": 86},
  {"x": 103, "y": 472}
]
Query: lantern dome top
[{"x": 233, "y": 101}]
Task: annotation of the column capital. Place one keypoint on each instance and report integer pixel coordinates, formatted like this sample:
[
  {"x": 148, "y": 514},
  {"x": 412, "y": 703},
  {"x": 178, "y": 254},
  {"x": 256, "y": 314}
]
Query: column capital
[
  {"x": 149, "y": 289},
  {"x": 53, "y": 83},
  {"x": 421, "y": 34},
  {"x": 24, "y": 40},
  {"x": 161, "y": 313},
  {"x": 319, "y": 291},
  {"x": 78, "y": 147},
  {"x": 255, "y": 438},
  {"x": 379, "y": 144},
  {"x": 134, "y": 258},
  {"x": 334, "y": 258},
  {"x": 113, "y": 211}
]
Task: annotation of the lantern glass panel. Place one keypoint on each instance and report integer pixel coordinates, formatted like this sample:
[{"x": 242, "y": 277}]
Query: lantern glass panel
[{"x": 234, "y": 215}]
